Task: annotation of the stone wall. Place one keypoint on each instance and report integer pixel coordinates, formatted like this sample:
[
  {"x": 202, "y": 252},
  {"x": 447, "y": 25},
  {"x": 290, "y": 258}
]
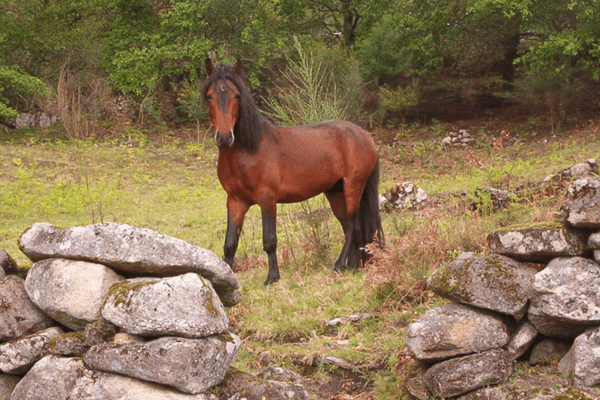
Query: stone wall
[{"x": 536, "y": 296}]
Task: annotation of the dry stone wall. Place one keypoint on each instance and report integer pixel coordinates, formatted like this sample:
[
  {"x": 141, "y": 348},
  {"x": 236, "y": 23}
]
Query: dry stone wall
[
  {"x": 536, "y": 296},
  {"x": 111, "y": 311}
]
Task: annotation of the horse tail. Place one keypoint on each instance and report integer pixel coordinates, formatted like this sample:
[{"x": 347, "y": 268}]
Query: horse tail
[{"x": 368, "y": 220}]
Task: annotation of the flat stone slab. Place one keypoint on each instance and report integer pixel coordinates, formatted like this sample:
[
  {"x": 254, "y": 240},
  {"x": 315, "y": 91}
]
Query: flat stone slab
[
  {"x": 494, "y": 282},
  {"x": 463, "y": 374},
  {"x": 61, "y": 378},
  {"x": 455, "y": 329},
  {"x": 131, "y": 249},
  {"x": 538, "y": 244},
  {"x": 17, "y": 356},
  {"x": 190, "y": 365}
]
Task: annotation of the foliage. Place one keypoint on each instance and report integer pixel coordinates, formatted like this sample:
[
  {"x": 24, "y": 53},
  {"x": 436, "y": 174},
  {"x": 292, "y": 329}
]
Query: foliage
[{"x": 15, "y": 87}]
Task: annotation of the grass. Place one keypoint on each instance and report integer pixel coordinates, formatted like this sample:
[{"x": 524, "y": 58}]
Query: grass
[{"x": 169, "y": 184}]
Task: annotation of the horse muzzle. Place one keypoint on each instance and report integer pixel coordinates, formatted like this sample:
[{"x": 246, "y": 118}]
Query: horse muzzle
[{"x": 224, "y": 139}]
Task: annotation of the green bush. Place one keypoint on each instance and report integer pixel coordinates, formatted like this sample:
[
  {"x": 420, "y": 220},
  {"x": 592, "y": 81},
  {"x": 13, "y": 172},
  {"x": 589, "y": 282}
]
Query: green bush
[{"x": 15, "y": 86}]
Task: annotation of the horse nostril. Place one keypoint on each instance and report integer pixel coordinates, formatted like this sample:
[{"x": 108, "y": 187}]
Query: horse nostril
[{"x": 224, "y": 139}]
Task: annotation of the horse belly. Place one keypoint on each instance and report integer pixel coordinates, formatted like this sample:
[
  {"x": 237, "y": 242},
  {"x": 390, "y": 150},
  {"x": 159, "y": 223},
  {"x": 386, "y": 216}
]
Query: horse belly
[{"x": 296, "y": 187}]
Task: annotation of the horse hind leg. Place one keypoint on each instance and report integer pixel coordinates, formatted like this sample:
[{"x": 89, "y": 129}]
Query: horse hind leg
[{"x": 337, "y": 200}]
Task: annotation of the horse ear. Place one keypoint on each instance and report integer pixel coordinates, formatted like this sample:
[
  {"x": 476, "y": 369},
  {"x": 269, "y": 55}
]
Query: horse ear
[
  {"x": 209, "y": 66},
  {"x": 237, "y": 68}
]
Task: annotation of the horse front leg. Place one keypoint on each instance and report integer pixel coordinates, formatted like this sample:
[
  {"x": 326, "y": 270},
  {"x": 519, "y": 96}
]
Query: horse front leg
[
  {"x": 236, "y": 211},
  {"x": 269, "y": 220}
]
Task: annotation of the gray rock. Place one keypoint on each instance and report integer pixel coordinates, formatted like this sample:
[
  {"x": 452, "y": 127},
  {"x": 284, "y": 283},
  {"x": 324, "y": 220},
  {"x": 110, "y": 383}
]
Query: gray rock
[
  {"x": 582, "y": 362},
  {"x": 455, "y": 329},
  {"x": 130, "y": 249},
  {"x": 272, "y": 383},
  {"x": 494, "y": 282},
  {"x": 18, "y": 315},
  {"x": 59, "y": 378},
  {"x": 538, "y": 244},
  {"x": 521, "y": 339},
  {"x": 461, "y": 375},
  {"x": 190, "y": 365},
  {"x": 184, "y": 305},
  {"x": 547, "y": 351},
  {"x": 71, "y": 292},
  {"x": 566, "y": 292},
  {"x": 68, "y": 344},
  {"x": 582, "y": 205},
  {"x": 589, "y": 167},
  {"x": 552, "y": 326},
  {"x": 18, "y": 355},
  {"x": 594, "y": 241},
  {"x": 7, "y": 385}
]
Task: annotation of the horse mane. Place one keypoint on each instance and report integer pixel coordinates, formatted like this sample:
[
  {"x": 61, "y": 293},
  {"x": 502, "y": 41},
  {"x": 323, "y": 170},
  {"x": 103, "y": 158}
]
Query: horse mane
[{"x": 249, "y": 126}]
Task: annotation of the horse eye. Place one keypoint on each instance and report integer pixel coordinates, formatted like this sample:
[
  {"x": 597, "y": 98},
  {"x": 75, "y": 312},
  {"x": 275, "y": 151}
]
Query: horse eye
[
  {"x": 238, "y": 96},
  {"x": 208, "y": 97}
]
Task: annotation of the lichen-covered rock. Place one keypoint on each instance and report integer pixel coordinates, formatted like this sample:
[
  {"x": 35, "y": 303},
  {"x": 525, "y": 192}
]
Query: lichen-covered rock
[
  {"x": 272, "y": 383},
  {"x": 18, "y": 355},
  {"x": 18, "y": 315},
  {"x": 494, "y": 282},
  {"x": 582, "y": 362},
  {"x": 68, "y": 344},
  {"x": 566, "y": 292},
  {"x": 190, "y": 365},
  {"x": 521, "y": 339},
  {"x": 71, "y": 292},
  {"x": 184, "y": 305},
  {"x": 548, "y": 351},
  {"x": 538, "y": 244},
  {"x": 455, "y": 329},
  {"x": 582, "y": 205},
  {"x": 130, "y": 249},
  {"x": 62, "y": 378},
  {"x": 461, "y": 375}
]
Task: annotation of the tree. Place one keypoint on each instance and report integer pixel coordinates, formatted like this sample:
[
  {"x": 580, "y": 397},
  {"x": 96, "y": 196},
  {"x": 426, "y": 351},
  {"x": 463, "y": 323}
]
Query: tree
[
  {"x": 483, "y": 36},
  {"x": 333, "y": 18}
]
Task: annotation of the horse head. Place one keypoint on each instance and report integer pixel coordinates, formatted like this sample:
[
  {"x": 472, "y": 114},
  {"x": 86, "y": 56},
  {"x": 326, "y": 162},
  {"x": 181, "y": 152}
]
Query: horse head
[{"x": 223, "y": 99}]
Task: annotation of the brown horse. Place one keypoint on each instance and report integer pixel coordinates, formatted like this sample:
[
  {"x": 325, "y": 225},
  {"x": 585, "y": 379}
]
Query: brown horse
[{"x": 265, "y": 164}]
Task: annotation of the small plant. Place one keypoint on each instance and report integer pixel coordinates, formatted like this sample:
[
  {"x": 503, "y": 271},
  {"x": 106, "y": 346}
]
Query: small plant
[{"x": 314, "y": 96}]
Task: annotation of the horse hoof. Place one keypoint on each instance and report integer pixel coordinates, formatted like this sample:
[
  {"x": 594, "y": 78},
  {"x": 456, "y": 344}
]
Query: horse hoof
[{"x": 270, "y": 281}]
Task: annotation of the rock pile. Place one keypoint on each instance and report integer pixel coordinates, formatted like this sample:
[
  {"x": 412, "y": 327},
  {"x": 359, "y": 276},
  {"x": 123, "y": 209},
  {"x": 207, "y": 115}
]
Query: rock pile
[
  {"x": 76, "y": 329},
  {"x": 403, "y": 195},
  {"x": 461, "y": 138},
  {"x": 537, "y": 294}
]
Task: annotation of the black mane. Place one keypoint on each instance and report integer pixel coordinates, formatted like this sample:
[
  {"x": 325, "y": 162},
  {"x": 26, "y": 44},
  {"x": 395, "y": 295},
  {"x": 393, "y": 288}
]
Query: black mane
[{"x": 249, "y": 126}]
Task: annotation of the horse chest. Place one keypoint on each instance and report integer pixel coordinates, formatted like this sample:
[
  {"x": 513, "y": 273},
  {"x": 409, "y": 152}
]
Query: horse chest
[{"x": 241, "y": 176}]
